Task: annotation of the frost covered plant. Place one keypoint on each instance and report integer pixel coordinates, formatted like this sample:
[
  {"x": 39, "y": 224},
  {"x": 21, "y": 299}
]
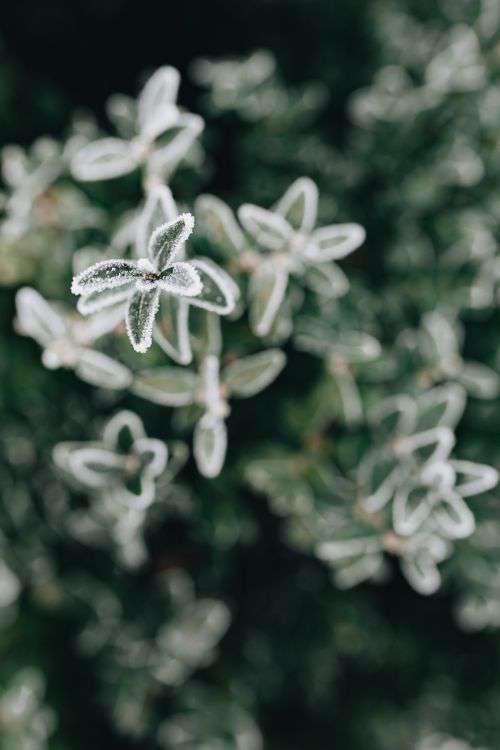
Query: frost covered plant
[
  {"x": 189, "y": 640},
  {"x": 236, "y": 84},
  {"x": 141, "y": 282},
  {"x": 218, "y": 294},
  {"x": 27, "y": 177},
  {"x": 67, "y": 339},
  {"x": 144, "y": 655},
  {"x": 357, "y": 555},
  {"x": 344, "y": 353},
  {"x": 414, "y": 469},
  {"x": 323, "y": 517},
  {"x": 392, "y": 97},
  {"x": 242, "y": 378},
  {"x": 124, "y": 466},
  {"x": 204, "y": 721},
  {"x": 25, "y": 722},
  {"x": 157, "y": 134},
  {"x": 118, "y": 527},
  {"x": 283, "y": 242},
  {"x": 250, "y": 87},
  {"x": 288, "y": 244},
  {"x": 10, "y": 586},
  {"x": 33, "y": 200},
  {"x": 438, "y": 342},
  {"x": 458, "y": 65},
  {"x": 405, "y": 498}
]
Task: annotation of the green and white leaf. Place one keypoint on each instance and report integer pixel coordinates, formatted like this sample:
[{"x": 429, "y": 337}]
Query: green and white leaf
[{"x": 250, "y": 375}]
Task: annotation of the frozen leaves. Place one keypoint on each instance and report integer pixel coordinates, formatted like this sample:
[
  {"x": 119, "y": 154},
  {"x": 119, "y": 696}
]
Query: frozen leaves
[
  {"x": 124, "y": 466},
  {"x": 160, "y": 235},
  {"x": 105, "y": 275},
  {"x": 413, "y": 477},
  {"x": 67, "y": 339},
  {"x": 143, "y": 280},
  {"x": 156, "y": 134},
  {"x": 414, "y": 468},
  {"x": 279, "y": 244},
  {"x": 407, "y": 497},
  {"x": 210, "y": 391}
]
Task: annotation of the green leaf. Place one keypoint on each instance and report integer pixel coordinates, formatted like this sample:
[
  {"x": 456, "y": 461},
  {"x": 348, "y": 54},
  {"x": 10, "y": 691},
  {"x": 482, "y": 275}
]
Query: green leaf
[{"x": 250, "y": 375}]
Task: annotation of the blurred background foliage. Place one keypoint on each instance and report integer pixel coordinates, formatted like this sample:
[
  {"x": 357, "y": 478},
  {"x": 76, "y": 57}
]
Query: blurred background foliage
[{"x": 317, "y": 667}]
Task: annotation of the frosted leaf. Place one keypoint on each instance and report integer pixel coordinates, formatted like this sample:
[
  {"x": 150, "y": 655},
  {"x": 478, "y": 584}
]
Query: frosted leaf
[
  {"x": 394, "y": 416},
  {"x": 171, "y": 330},
  {"x": 441, "y": 406},
  {"x": 445, "y": 338},
  {"x": 235, "y": 75},
  {"x": 38, "y": 319},
  {"x": 219, "y": 224},
  {"x": 137, "y": 491},
  {"x": 210, "y": 445},
  {"x": 410, "y": 509},
  {"x": 348, "y": 575},
  {"x": 99, "y": 369},
  {"x": 428, "y": 446},
  {"x": 163, "y": 119},
  {"x": 165, "y": 159},
  {"x": 282, "y": 326},
  {"x": 474, "y": 478},
  {"x": 154, "y": 454},
  {"x": 10, "y": 586},
  {"x": 349, "y": 395},
  {"x": 138, "y": 496},
  {"x": 458, "y": 67},
  {"x": 159, "y": 92},
  {"x": 210, "y": 383},
  {"x": 319, "y": 337},
  {"x": 181, "y": 279},
  {"x": 326, "y": 279},
  {"x": 85, "y": 257},
  {"x": 195, "y": 631},
  {"x": 250, "y": 375},
  {"x": 103, "y": 160},
  {"x": 121, "y": 111},
  {"x": 61, "y": 454},
  {"x": 219, "y": 292},
  {"x": 15, "y": 165},
  {"x": 96, "y": 467},
  {"x": 105, "y": 275},
  {"x": 100, "y": 324},
  {"x": 379, "y": 474},
  {"x": 266, "y": 293},
  {"x": 334, "y": 242},
  {"x": 356, "y": 347},
  {"x": 476, "y": 612},
  {"x": 422, "y": 573},
  {"x": 479, "y": 380},
  {"x": 124, "y": 425},
  {"x": 167, "y": 386},
  {"x": 166, "y": 241},
  {"x": 299, "y": 205},
  {"x": 158, "y": 210},
  {"x": 268, "y": 229},
  {"x": 140, "y": 318},
  {"x": 452, "y": 516},
  {"x": 341, "y": 549},
  {"x": 104, "y": 298}
]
